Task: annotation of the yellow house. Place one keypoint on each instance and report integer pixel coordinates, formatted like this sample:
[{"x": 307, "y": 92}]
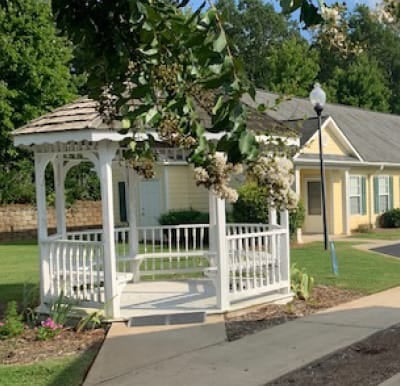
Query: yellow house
[{"x": 361, "y": 151}]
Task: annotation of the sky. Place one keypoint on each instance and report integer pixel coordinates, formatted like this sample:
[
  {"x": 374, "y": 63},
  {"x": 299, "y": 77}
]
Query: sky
[{"x": 350, "y": 3}]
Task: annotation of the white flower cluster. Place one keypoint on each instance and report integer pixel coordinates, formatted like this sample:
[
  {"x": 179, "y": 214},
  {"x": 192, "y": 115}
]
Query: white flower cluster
[
  {"x": 216, "y": 176},
  {"x": 276, "y": 175},
  {"x": 385, "y": 11},
  {"x": 330, "y": 14}
]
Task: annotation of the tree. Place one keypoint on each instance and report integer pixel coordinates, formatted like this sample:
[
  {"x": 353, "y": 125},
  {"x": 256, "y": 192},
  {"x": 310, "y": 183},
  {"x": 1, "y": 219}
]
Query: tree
[
  {"x": 172, "y": 63},
  {"x": 291, "y": 67},
  {"x": 34, "y": 67},
  {"x": 362, "y": 84},
  {"x": 274, "y": 54},
  {"x": 382, "y": 42},
  {"x": 34, "y": 78},
  {"x": 254, "y": 29}
]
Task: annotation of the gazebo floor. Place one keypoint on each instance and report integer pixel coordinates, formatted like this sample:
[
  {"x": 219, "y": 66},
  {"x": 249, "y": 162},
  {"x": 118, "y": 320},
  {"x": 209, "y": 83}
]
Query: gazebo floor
[{"x": 168, "y": 297}]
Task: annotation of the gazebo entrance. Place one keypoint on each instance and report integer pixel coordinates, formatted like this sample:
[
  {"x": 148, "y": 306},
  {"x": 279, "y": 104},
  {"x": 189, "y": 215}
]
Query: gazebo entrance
[{"x": 129, "y": 271}]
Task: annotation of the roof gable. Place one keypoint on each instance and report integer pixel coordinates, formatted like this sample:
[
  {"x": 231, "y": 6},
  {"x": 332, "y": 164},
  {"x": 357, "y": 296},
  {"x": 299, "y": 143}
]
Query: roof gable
[{"x": 374, "y": 136}]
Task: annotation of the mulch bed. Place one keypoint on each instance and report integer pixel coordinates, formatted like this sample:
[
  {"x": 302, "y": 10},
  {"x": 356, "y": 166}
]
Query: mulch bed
[
  {"x": 27, "y": 349},
  {"x": 366, "y": 363},
  {"x": 274, "y": 314}
]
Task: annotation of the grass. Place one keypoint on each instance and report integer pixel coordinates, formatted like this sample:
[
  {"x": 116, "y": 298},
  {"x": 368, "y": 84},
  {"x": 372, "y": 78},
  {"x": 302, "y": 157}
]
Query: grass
[
  {"x": 363, "y": 271},
  {"x": 386, "y": 234},
  {"x": 67, "y": 371},
  {"x": 19, "y": 264}
]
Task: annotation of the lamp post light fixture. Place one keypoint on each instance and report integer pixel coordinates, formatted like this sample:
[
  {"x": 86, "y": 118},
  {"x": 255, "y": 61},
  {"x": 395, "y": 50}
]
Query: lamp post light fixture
[{"x": 318, "y": 99}]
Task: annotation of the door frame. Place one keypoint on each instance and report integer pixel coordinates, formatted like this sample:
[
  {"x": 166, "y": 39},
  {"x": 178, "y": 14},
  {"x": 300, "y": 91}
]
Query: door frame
[{"x": 307, "y": 215}]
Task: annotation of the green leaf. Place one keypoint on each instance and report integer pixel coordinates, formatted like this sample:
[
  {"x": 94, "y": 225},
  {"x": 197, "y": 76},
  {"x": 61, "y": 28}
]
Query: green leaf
[
  {"x": 247, "y": 142},
  {"x": 149, "y": 52},
  {"x": 126, "y": 123},
  {"x": 218, "y": 105},
  {"x": 220, "y": 44},
  {"x": 152, "y": 116}
]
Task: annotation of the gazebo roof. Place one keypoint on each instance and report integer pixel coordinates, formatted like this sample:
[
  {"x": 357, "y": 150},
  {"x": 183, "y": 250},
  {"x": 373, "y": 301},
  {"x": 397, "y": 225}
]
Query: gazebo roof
[
  {"x": 79, "y": 115},
  {"x": 84, "y": 115}
]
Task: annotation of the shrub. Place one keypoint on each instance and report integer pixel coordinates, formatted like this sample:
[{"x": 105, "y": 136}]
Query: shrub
[
  {"x": 390, "y": 219},
  {"x": 183, "y": 216},
  {"x": 296, "y": 218},
  {"x": 252, "y": 207},
  {"x": 300, "y": 282},
  {"x": 12, "y": 325}
]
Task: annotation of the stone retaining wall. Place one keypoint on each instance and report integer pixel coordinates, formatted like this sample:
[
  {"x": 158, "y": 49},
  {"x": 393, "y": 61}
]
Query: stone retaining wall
[{"x": 19, "y": 221}]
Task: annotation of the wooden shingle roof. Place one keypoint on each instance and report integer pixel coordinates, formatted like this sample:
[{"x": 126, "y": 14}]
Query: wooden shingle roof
[{"x": 78, "y": 115}]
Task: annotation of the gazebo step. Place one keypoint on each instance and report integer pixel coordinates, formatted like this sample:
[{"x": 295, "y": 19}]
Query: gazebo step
[{"x": 167, "y": 319}]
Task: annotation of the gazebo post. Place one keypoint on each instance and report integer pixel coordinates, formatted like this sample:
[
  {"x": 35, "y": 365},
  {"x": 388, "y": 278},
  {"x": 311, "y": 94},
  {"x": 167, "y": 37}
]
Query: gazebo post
[
  {"x": 106, "y": 153},
  {"x": 132, "y": 219},
  {"x": 218, "y": 227},
  {"x": 285, "y": 251},
  {"x": 59, "y": 180},
  {"x": 40, "y": 182}
]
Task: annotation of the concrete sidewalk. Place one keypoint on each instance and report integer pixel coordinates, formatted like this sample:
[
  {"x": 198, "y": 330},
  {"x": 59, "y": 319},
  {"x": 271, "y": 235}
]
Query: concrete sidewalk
[{"x": 198, "y": 355}]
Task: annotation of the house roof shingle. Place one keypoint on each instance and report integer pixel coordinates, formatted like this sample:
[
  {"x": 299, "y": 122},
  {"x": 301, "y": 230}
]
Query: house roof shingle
[{"x": 375, "y": 135}]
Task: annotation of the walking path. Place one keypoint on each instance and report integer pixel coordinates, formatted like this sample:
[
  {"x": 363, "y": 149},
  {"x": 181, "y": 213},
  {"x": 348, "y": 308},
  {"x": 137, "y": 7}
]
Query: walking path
[{"x": 199, "y": 355}]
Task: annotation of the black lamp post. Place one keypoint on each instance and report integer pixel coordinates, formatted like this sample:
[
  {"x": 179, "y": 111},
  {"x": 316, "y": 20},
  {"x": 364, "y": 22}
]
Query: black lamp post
[{"x": 318, "y": 99}]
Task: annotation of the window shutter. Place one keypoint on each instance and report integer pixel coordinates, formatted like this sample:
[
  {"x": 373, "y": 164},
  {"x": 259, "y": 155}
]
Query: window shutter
[
  {"x": 376, "y": 195},
  {"x": 391, "y": 192},
  {"x": 122, "y": 202},
  {"x": 363, "y": 196}
]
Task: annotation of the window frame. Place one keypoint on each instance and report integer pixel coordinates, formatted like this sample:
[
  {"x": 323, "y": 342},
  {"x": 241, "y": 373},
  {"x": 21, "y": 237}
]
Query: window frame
[
  {"x": 386, "y": 194},
  {"x": 359, "y": 195}
]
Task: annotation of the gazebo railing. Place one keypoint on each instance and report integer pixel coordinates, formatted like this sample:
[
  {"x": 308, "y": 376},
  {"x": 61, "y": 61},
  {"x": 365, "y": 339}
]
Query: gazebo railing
[
  {"x": 75, "y": 269},
  {"x": 255, "y": 253},
  {"x": 258, "y": 263},
  {"x": 160, "y": 249}
]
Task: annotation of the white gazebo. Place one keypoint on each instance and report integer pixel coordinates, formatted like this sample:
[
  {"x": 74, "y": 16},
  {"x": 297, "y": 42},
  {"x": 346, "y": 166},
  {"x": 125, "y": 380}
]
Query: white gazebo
[{"x": 224, "y": 266}]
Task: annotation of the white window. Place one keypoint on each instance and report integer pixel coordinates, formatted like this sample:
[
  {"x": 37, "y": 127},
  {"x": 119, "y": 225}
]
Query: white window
[
  {"x": 383, "y": 193},
  {"x": 355, "y": 195}
]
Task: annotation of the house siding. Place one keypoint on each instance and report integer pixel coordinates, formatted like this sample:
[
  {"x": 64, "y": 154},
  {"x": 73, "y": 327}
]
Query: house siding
[
  {"x": 331, "y": 145},
  {"x": 183, "y": 192},
  {"x": 371, "y": 218}
]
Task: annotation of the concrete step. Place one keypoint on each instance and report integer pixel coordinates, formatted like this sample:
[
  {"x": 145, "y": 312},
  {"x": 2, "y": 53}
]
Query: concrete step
[{"x": 167, "y": 319}]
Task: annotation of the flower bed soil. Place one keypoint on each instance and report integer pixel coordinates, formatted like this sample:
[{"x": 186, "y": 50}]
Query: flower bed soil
[
  {"x": 274, "y": 314},
  {"x": 367, "y": 363},
  {"x": 27, "y": 349}
]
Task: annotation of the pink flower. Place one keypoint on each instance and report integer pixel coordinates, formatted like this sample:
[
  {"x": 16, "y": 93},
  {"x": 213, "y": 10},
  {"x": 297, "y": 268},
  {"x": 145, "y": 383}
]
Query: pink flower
[
  {"x": 2, "y": 324},
  {"x": 51, "y": 324}
]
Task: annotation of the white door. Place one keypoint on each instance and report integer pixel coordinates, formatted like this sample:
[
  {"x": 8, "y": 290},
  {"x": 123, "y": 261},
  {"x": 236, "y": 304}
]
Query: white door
[
  {"x": 150, "y": 202},
  {"x": 313, "y": 219}
]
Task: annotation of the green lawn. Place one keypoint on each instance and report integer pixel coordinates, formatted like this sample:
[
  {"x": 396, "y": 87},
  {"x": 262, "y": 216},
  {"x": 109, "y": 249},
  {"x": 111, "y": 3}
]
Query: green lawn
[
  {"x": 363, "y": 271},
  {"x": 19, "y": 264},
  {"x": 68, "y": 371},
  {"x": 380, "y": 234}
]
